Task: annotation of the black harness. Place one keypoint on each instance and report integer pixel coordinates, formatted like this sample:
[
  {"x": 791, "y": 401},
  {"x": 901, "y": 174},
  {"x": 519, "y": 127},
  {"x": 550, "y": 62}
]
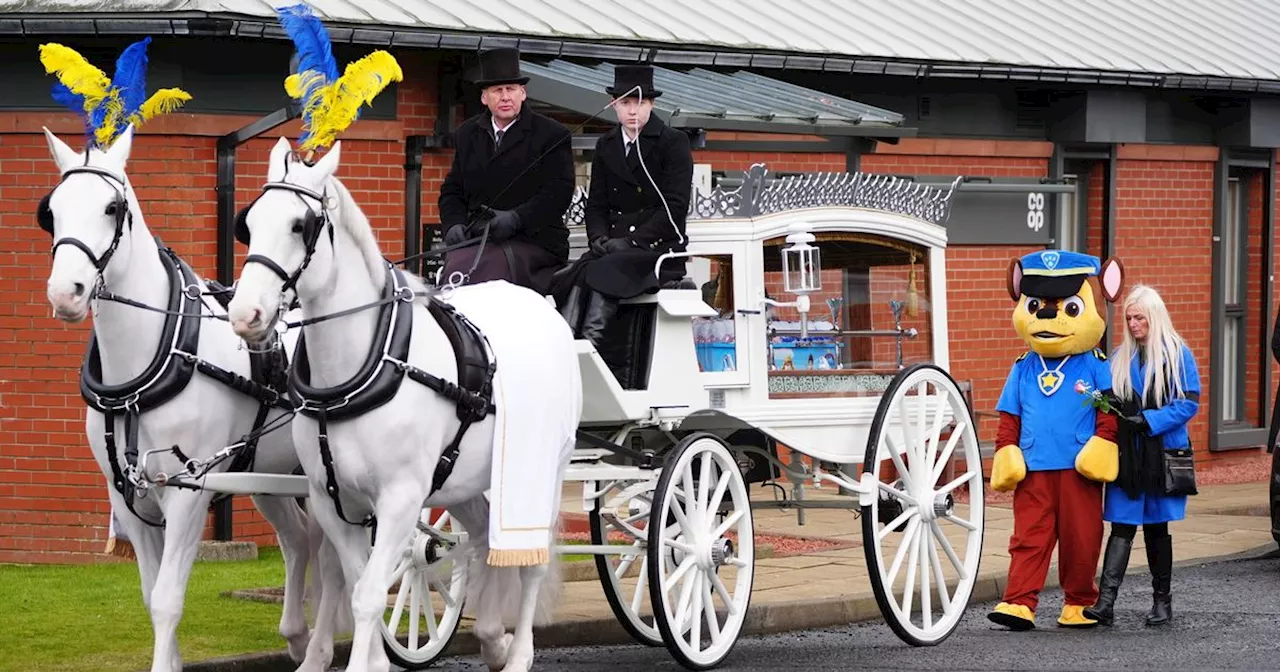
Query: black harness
[
  {"x": 386, "y": 364},
  {"x": 175, "y": 361}
]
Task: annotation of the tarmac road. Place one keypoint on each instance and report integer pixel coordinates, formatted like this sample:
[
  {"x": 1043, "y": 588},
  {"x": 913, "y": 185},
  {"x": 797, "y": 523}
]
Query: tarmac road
[{"x": 1226, "y": 616}]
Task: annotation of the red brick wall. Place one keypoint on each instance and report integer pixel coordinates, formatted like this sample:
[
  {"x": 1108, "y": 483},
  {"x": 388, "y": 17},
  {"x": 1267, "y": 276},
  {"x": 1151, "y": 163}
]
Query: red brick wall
[
  {"x": 1164, "y": 222},
  {"x": 52, "y": 504}
]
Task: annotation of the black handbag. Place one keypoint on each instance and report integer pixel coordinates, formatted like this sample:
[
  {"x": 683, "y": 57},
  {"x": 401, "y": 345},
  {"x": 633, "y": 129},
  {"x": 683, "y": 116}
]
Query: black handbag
[{"x": 1180, "y": 472}]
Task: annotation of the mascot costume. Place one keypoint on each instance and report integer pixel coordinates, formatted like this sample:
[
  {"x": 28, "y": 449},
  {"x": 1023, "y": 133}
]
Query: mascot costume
[{"x": 1056, "y": 442}]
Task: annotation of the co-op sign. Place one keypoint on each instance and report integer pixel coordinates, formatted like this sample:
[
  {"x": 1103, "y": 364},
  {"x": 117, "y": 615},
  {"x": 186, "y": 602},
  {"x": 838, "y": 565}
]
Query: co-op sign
[{"x": 1002, "y": 210}]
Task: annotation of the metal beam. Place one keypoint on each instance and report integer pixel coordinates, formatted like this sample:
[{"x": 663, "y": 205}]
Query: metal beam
[
  {"x": 789, "y": 127},
  {"x": 230, "y": 24}
]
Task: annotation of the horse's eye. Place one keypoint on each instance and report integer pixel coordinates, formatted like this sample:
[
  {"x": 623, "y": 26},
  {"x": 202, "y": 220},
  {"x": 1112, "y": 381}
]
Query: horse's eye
[
  {"x": 297, "y": 227},
  {"x": 111, "y": 209}
]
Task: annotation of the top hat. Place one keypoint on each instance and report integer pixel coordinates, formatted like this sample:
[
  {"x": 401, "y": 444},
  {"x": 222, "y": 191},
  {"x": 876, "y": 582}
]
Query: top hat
[
  {"x": 500, "y": 66},
  {"x": 627, "y": 77},
  {"x": 1056, "y": 274}
]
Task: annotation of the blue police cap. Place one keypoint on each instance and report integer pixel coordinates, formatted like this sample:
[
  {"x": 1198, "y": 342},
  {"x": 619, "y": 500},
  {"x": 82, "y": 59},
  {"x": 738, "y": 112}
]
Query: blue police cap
[{"x": 1056, "y": 274}]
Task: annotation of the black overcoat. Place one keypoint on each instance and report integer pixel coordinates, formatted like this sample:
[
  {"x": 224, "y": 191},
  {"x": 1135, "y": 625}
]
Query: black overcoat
[
  {"x": 541, "y": 195},
  {"x": 623, "y": 203}
]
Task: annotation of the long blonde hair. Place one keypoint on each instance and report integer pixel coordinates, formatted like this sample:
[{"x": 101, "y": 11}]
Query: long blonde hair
[{"x": 1162, "y": 351}]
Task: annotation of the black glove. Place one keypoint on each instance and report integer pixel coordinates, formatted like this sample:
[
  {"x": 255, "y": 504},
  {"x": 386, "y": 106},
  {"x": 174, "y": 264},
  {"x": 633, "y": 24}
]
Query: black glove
[
  {"x": 597, "y": 246},
  {"x": 455, "y": 235},
  {"x": 1138, "y": 422},
  {"x": 616, "y": 245},
  {"x": 503, "y": 224}
]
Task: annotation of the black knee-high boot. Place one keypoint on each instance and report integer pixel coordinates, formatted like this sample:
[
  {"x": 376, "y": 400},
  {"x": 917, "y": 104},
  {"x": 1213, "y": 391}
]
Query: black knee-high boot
[
  {"x": 1114, "y": 563},
  {"x": 1160, "y": 559},
  {"x": 572, "y": 310}
]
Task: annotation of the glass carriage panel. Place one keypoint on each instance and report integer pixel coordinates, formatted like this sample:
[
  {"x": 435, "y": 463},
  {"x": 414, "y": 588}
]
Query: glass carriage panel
[
  {"x": 871, "y": 318},
  {"x": 715, "y": 337}
]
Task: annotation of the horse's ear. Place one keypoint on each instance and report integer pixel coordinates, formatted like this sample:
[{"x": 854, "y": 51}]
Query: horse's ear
[
  {"x": 328, "y": 164},
  {"x": 1013, "y": 280},
  {"x": 281, "y": 157},
  {"x": 63, "y": 155},
  {"x": 119, "y": 152},
  {"x": 1112, "y": 279}
]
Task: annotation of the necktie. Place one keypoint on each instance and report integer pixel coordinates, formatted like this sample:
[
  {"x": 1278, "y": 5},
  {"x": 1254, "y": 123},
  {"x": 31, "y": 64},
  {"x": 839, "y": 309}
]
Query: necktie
[
  {"x": 633, "y": 160},
  {"x": 497, "y": 139}
]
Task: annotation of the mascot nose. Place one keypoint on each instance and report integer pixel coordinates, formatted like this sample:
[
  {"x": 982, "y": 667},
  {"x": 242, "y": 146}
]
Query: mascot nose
[{"x": 1047, "y": 313}]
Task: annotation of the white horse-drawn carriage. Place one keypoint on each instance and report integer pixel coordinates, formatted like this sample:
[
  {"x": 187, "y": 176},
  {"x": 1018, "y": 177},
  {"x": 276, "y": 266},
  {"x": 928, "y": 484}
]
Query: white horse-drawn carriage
[{"x": 402, "y": 399}]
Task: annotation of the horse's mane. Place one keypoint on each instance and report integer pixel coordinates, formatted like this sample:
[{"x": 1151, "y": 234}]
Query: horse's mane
[{"x": 353, "y": 220}]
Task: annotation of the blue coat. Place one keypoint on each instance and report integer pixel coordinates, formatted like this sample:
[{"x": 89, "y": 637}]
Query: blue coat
[{"x": 1169, "y": 422}]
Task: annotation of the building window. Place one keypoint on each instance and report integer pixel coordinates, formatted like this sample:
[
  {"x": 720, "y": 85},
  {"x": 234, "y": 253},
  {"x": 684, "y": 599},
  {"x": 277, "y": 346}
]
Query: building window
[
  {"x": 1234, "y": 272},
  {"x": 1070, "y": 223}
]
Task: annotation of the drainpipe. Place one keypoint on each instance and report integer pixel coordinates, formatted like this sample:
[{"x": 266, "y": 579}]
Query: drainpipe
[
  {"x": 414, "y": 145},
  {"x": 226, "y": 194}
]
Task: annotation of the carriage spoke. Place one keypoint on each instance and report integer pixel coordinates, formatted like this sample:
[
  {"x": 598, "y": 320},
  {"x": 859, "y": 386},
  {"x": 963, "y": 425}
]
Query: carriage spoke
[
  {"x": 704, "y": 483},
  {"x": 687, "y": 564},
  {"x": 935, "y": 434},
  {"x": 413, "y": 614},
  {"x": 893, "y": 525},
  {"x": 641, "y": 582},
  {"x": 429, "y": 612},
  {"x": 926, "y": 606},
  {"x": 709, "y": 611},
  {"x": 729, "y": 603},
  {"x": 907, "y": 538},
  {"x": 968, "y": 476},
  {"x": 721, "y": 487},
  {"x": 394, "y": 624},
  {"x": 682, "y": 604},
  {"x": 729, "y": 522},
  {"x": 908, "y": 593},
  {"x": 946, "y": 547},
  {"x": 898, "y": 494},
  {"x": 695, "y": 611},
  {"x": 943, "y": 597},
  {"x": 962, "y": 523},
  {"x": 897, "y": 462},
  {"x": 625, "y": 561},
  {"x": 950, "y": 448},
  {"x": 691, "y": 492}
]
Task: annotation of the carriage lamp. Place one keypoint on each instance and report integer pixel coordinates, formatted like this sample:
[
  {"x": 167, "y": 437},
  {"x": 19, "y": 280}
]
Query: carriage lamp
[
  {"x": 801, "y": 272},
  {"x": 801, "y": 262}
]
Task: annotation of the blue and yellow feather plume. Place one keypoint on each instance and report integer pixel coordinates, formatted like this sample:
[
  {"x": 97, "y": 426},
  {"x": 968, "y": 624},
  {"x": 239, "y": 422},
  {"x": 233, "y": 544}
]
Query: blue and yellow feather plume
[
  {"x": 107, "y": 105},
  {"x": 330, "y": 103}
]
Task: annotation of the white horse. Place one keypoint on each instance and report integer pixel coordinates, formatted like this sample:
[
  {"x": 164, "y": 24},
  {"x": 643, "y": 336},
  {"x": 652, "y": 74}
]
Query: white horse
[
  {"x": 380, "y": 461},
  {"x": 102, "y": 244}
]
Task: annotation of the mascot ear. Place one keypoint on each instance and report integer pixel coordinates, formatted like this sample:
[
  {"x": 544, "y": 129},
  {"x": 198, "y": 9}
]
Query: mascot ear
[
  {"x": 1112, "y": 277},
  {"x": 1014, "y": 279}
]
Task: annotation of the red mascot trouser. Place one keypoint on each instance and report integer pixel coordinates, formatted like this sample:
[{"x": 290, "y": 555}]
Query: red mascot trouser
[{"x": 1051, "y": 508}]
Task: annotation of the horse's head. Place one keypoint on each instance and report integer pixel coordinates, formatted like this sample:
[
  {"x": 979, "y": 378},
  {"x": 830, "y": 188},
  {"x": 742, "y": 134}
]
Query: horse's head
[
  {"x": 290, "y": 238},
  {"x": 90, "y": 216}
]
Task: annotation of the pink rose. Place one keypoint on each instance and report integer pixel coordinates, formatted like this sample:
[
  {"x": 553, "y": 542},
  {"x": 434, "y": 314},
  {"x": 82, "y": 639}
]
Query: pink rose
[{"x": 1081, "y": 387}]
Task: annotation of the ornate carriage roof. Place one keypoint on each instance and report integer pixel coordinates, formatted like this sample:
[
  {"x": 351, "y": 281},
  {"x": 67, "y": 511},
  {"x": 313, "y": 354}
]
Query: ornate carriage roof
[{"x": 760, "y": 195}]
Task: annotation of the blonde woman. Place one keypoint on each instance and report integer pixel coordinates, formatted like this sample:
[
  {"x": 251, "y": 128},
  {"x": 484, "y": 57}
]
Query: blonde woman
[{"x": 1154, "y": 376}]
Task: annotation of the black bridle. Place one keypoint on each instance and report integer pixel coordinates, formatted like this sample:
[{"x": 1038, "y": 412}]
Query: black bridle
[
  {"x": 311, "y": 227},
  {"x": 122, "y": 214}
]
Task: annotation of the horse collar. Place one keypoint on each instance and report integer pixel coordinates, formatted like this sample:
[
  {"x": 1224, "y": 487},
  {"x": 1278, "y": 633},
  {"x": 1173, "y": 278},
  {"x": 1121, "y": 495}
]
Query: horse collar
[{"x": 174, "y": 362}]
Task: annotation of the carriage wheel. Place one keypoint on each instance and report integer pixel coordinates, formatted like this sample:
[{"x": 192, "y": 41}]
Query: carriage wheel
[
  {"x": 625, "y": 585},
  {"x": 924, "y": 462},
  {"x": 432, "y": 576},
  {"x": 701, "y": 558}
]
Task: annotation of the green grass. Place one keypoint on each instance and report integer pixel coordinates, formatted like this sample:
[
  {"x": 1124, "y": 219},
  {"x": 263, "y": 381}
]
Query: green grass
[{"x": 91, "y": 617}]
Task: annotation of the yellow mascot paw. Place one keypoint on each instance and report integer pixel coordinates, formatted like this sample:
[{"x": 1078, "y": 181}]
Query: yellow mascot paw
[
  {"x": 1099, "y": 460},
  {"x": 1073, "y": 617},
  {"x": 1007, "y": 469},
  {"x": 1012, "y": 616}
]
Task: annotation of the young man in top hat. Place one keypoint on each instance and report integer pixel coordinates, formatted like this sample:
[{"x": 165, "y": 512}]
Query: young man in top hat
[
  {"x": 628, "y": 224},
  {"x": 512, "y": 168}
]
